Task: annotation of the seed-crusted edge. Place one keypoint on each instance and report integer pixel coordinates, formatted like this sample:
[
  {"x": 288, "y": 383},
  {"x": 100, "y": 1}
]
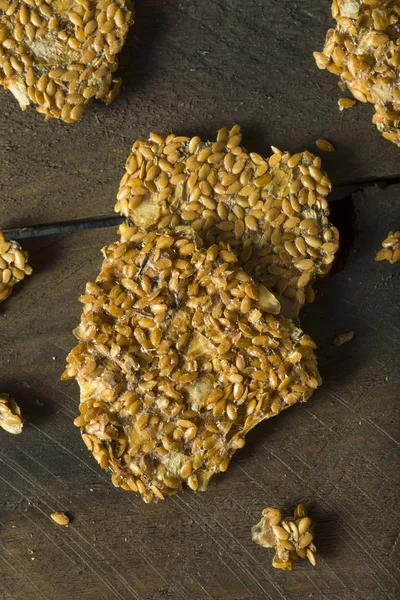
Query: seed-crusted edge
[
  {"x": 169, "y": 383},
  {"x": 61, "y": 55},
  {"x": 13, "y": 266},
  {"x": 273, "y": 213},
  {"x": 292, "y": 536},
  {"x": 363, "y": 50}
]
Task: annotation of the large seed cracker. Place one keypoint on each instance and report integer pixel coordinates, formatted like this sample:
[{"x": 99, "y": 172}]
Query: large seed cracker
[
  {"x": 178, "y": 358},
  {"x": 272, "y": 212}
]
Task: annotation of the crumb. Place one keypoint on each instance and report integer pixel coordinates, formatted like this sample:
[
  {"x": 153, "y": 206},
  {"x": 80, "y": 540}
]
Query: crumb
[
  {"x": 342, "y": 338},
  {"x": 60, "y": 518}
]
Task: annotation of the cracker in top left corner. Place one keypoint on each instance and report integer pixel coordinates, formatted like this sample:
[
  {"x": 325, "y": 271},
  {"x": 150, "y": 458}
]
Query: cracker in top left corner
[{"x": 60, "y": 55}]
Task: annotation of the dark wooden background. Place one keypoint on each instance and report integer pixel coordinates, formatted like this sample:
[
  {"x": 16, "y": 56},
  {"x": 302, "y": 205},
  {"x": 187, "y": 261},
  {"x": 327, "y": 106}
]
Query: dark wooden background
[{"x": 192, "y": 67}]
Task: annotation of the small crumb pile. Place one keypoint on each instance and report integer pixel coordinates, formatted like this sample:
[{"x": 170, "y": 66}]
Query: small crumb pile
[
  {"x": 292, "y": 537},
  {"x": 61, "y": 55},
  {"x": 390, "y": 248},
  {"x": 363, "y": 50},
  {"x": 13, "y": 266},
  {"x": 10, "y": 414}
]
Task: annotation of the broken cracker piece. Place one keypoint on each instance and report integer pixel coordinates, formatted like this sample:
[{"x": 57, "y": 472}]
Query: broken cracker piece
[
  {"x": 10, "y": 414},
  {"x": 363, "y": 50},
  {"x": 390, "y": 248},
  {"x": 272, "y": 213},
  {"x": 61, "y": 55},
  {"x": 292, "y": 537},
  {"x": 178, "y": 359}
]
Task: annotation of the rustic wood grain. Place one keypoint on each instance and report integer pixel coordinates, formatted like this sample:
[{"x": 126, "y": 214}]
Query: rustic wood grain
[
  {"x": 338, "y": 453},
  {"x": 191, "y": 67}
]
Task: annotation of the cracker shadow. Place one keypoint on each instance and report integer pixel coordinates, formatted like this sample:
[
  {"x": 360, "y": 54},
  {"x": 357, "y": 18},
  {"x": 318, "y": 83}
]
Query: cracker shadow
[
  {"x": 35, "y": 408},
  {"x": 140, "y": 45},
  {"x": 327, "y": 313},
  {"x": 327, "y": 530},
  {"x": 43, "y": 252}
]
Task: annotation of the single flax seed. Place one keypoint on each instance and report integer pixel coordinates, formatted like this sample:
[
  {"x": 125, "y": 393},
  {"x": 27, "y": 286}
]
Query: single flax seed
[
  {"x": 342, "y": 338},
  {"x": 324, "y": 145}
]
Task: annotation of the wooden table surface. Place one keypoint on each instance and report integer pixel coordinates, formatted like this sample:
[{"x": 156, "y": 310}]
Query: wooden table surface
[{"x": 192, "y": 67}]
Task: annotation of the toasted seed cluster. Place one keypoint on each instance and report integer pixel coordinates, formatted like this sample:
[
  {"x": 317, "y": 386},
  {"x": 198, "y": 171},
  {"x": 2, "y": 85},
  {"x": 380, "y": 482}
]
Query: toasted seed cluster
[
  {"x": 13, "y": 266},
  {"x": 292, "y": 537},
  {"x": 61, "y": 55},
  {"x": 178, "y": 358},
  {"x": 273, "y": 212},
  {"x": 390, "y": 248},
  {"x": 364, "y": 50},
  {"x": 10, "y": 414},
  {"x": 60, "y": 518},
  {"x": 342, "y": 338}
]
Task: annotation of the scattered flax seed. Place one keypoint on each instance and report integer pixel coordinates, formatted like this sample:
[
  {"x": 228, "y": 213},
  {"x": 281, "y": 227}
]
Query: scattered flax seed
[
  {"x": 292, "y": 537},
  {"x": 390, "y": 248},
  {"x": 179, "y": 356},
  {"x": 272, "y": 212},
  {"x": 61, "y": 55},
  {"x": 10, "y": 414},
  {"x": 325, "y": 146},
  {"x": 13, "y": 266},
  {"x": 342, "y": 338},
  {"x": 346, "y": 103},
  {"x": 60, "y": 518},
  {"x": 363, "y": 50}
]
